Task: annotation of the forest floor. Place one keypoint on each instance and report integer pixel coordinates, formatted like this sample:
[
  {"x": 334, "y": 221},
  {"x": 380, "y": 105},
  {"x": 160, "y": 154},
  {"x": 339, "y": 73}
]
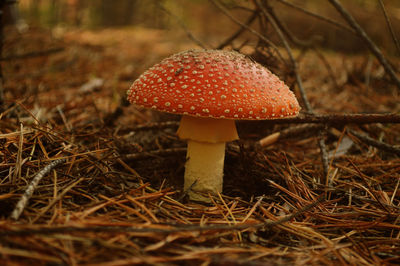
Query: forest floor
[{"x": 115, "y": 197}]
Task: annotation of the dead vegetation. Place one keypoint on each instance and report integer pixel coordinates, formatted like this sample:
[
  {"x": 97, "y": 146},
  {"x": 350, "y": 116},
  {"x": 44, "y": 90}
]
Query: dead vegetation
[{"x": 109, "y": 176}]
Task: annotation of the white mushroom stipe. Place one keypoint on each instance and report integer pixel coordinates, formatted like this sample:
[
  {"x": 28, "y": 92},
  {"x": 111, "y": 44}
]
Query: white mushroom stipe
[
  {"x": 206, "y": 150},
  {"x": 204, "y": 169}
]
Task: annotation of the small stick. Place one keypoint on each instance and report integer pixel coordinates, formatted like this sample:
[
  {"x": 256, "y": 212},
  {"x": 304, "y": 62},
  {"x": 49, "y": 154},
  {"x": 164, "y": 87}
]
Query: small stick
[
  {"x": 377, "y": 144},
  {"x": 289, "y": 132},
  {"x": 31, "y": 187},
  {"x": 339, "y": 119},
  {"x": 270, "y": 139}
]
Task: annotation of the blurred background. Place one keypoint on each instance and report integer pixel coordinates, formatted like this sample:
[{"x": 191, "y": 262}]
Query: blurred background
[
  {"x": 102, "y": 46},
  {"x": 207, "y": 22}
]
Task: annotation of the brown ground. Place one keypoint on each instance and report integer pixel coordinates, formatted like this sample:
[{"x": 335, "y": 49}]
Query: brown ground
[{"x": 99, "y": 208}]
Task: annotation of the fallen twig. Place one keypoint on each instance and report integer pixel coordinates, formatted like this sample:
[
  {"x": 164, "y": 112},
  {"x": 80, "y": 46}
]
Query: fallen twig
[
  {"x": 339, "y": 119},
  {"x": 31, "y": 187},
  {"x": 286, "y": 133},
  {"x": 378, "y": 144}
]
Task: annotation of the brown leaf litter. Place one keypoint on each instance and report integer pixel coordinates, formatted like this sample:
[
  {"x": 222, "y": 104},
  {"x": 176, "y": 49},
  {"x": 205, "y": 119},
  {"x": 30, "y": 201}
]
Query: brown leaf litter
[{"x": 117, "y": 198}]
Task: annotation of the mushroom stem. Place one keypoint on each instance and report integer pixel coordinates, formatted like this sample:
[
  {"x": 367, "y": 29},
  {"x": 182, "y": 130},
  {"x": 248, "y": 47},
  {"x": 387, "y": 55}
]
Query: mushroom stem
[
  {"x": 205, "y": 154},
  {"x": 204, "y": 169}
]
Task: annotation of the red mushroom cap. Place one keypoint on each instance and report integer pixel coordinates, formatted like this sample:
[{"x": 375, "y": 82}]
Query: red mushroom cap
[{"x": 213, "y": 83}]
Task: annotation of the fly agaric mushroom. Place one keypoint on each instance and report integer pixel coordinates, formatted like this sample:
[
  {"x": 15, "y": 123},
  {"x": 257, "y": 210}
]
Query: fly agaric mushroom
[{"x": 211, "y": 89}]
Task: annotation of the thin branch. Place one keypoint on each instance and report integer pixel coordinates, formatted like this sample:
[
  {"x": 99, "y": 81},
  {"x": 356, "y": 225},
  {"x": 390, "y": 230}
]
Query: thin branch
[
  {"x": 371, "y": 45},
  {"x": 290, "y": 54},
  {"x": 290, "y": 132},
  {"x": 291, "y": 36},
  {"x": 339, "y": 119},
  {"x": 389, "y": 24},
  {"x": 31, "y": 188},
  {"x": 183, "y": 26},
  {"x": 315, "y": 122},
  {"x": 239, "y": 31},
  {"x": 328, "y": 20},
  {"x": 377, "y": 144},
  {"x": 251, "y": 30}
]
